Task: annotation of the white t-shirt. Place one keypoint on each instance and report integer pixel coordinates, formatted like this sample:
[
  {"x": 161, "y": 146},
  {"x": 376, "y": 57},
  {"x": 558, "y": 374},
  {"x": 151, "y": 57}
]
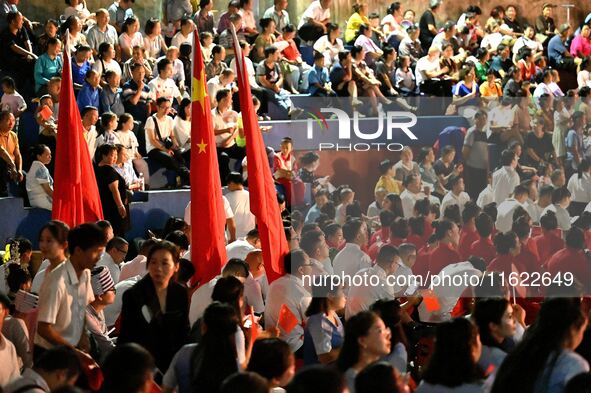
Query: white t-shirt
[
  {"x": 165, "y": 125},
  {"x": 227, "y": 210},
  {"x": 164, "y": 88},
  {"x": 179, "y": 39},
  {"x": 330, "y": 51},
  {"x": 9, "y": 361},
  {"x": 316, "y": 12},
  {"x": 239, "y": 201},
  {"x": 129, "y": 140},
  {"x": 219, "y": 123},
  {"x": 38, "y": 175},
  {"x": 424, "y": 65},
  {"x": 182, "y": 132},
  {"x": 13, "y": 102},
  {"x": 62, "y": 303},
  {"x": 128, "y": 42},
  {"x": 101, "y": 66}
]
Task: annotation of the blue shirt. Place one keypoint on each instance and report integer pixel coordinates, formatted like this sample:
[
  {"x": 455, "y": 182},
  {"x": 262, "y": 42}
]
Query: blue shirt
[
  {"x": 317, "y": 75},
  {"x": 45, "y": 69},
  {"x": 87, "y": 96},
  {"x": 555, "y": 50},
  {"x": 573, "y": 139},
  {"x": 79, "y": 72},
  {"x": 461, "y": 90},
  {"x": 321, "y": 336}
]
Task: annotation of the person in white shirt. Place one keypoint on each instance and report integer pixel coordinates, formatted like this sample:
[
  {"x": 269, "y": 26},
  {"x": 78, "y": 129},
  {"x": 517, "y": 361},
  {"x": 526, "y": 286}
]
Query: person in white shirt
[
  {"x": 560, "y": 203},
  {"x": 314, "y": 20},
  {"x": 66, "y": 290},
  {"x": 178, "y": 70},
  {"x": 137, "y": 266},
  {"x": 361, "y": 297},
  {"x": 374, "y": 209},
  {"x": 113, "y": 311},
  {"x": 456, "y": 195},
  {"x": 314, "y": 244},
  {"x": 412, "y": 194},
  {"x": 289, "y": 291},
  {"x": 351, "y": 258},
  {"x": 506, "y": 208},
  {"x": 505, "y": 179},
  {"x": 104, "y": 290},
  {"x": 56, "y": 368},
  {"x": 250, "y": 70},
  {"x": 163, "y": 85},
  {"x": 579, "y": 186},
  {"x": 89, "y": 118},
  {"x": 239, "y": 200},
  {"x": 230, "y": 223},
  {"x": 10, "y": 369},
  {"x": 223, "y": 81},
  {"x": 241, "y": 247},
  {"x": 330, "y": 44},
  {"x": 114, "y": 256},
  {"x": 185, "y": 34},
  {"x": 408, "y": 257}
]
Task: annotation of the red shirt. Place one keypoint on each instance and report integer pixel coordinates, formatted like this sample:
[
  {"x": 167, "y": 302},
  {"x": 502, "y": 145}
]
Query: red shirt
[
  {"x": 504, "y": 263},
  {"x": 588, "y": 239},
  {"x": 417, "y": 240},
  {"x": 528, "y": 260},
  {"x": 574, "y": 261},
  {"x": 421, "y": 266},
  {"x": 467, "y": 237},
  {"x": 443, "y": 256},
  {"x": 484, "y": 248},
  {"x": 548, "y": 244},
  {"x": 374, "y": 249},
  {"x": 381, "y": 234},
  {"x": 427, "y": 231},
  {"x": 291, "y": 53}
]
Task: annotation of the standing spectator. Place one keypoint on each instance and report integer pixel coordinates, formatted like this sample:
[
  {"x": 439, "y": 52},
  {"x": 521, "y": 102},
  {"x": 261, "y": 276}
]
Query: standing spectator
[
  {"x": 165, "y": 303},
  {"x": 428, "y": 25},
  {"x": 574, "y": 142},
  {"x": 119, "y": 12},
  {"x": 111, "y": 188},
  {"x": 314, "y": 21},
  {"x": 103, "y": 288},
  {"x": 10, "y": 157},
  {"x": 130, "y": 37},
  {"x": 48, "y": 65},
  {"x": 505, "y": 179},
  {"x": 39, "y": 181},
  {"x": 102, "y": 32},
  {"x": 475, "y": 153},
  {"x": 66, "y": 291},
  {"x": 17, "y": 58}
]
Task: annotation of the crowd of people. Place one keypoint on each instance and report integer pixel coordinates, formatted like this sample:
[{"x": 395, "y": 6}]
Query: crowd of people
[{"x": 507, "y": 201}]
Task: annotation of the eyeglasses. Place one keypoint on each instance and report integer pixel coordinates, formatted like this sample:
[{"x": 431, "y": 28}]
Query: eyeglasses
[{"x": 122, "y": 251}]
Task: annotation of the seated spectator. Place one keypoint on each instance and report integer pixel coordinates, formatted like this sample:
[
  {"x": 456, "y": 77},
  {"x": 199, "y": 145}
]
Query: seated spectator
[
  {"x": 112, "y": 189},
  {"x": 130, "y": 37},
  {"x": 90, "y": 116},
  {"x": 493, "y": 36},
  {"x": 106, "y": 131},
  {"x": 367, "y": 339},
  {"x": 558, "y": 55},
  {"x": 89, "y": 94},
  {"x": 538, "y": 145},
  {"x": 561, "y": 198},
  {"x": 501, "y": 63},
  {"x": 77, "y": 8},
  {"x": 248, "y": 19},
  {"x": 574, "y": 142},
  {"x": 250, "y": 69},
  {"x": 154, "y": 44},
  {"x": 330, "y": 44},
  {"x": 217, "y": 63},
  {"x": 185, "y": 33},
  {"x": 314, "y": 21},
  {"x": 103, "y": 288},
  {"x": 372, "y": 51},
  {"x": 102, "y": 32},
  {"x": 223, "y": 81},
  {"x": 137, "y": 95},
  {"x": 17, "y": 57},
  {"x": 204, "y": 17},
  {"x": 137, "y": 56},
  {"x": 48, "y": 65},
  {"x": 129, "y": 368},
  {"x": 264, "y": 39},
  {"x": 405, "y": 81},
  {"x": 163, "y": 85},
  {"x": 129, "y": 140},
  {"x": 271, "y": 80},
  {"x": 110, "y": 95},
  {"x": 428, "y": 73},
  {"x": 358, "y": 18},
  {"x": 226, "y": 130},
  {"x": 39, "y": 182},
  {"x": 406, "y": 166},
  {"x": 297, "y": 75},
  {"x": 557, "y": 332},
  {"x": 411, "y": 46},
  {"x": 527, "y": 40},
  {"x": 10, "y": 157},
  {"x": 319, "y": 79},
  {"x": 341, "y": 78},
  {"x": 50, "y": 30},
  {"x": 161, "y": 144},
  {"x": 453, "y": 364},
  {"x": 81, "y": 65},
  {"x": 106, "y": 61},
  {"x": 74, "y": 26},
  {"x": 119, "y": 12},
  {"x": 581, "y": 45},
  {"x": 365, "y": 79}
]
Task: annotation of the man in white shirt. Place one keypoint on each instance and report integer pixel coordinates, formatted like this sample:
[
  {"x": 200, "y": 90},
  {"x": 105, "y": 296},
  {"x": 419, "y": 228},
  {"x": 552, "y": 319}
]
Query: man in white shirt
[
  {"x": 114, "y": 256},
  {"x": 505, "y": 179},
  {"x": 201, "y": 298},
  {"x": 408, "y": 257},
  {"x": 314, "y": 244},
  {"x": 561, "y": 199},
  {"x": 223, "y": 81},
  {"x": 456, "y": 195},
  {"x": 361, "y": 297},
  {"x": 230, "y": 223},
  {"x": 67, "y": 291},
  {"x": 412, "y": 194},
  {"x": 314, "y": 20},
  {"x": 241, "y": 247},
  {"x": 10, "y": 369},
  {"x": 225, "y": 128},
  {"x": 536, "y": 208},
  {"x": 163, "y": 85},
  {"x": 89, "y": 118},
  {"x": 54, "y": 369},
  {"x": 239, "y": 200},
  {"x": 289, "y": 290},
  {"x": 178, "y": 71},
  {"x": 351, "y": 258},
  {"x": 506, "y": 209},
  {"x": 185, "y": 34},
  {"x": 374, "y": 209}
]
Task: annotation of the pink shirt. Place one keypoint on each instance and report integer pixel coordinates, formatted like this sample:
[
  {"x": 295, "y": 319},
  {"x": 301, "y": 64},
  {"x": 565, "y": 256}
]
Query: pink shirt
[{"x": 580, "y": 45}]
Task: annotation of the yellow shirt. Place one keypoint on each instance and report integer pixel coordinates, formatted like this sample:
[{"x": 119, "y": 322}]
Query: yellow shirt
[
  {"x": 353, "y": 26},
  {"x": 389, "y": 184},
  {"x": 9, "y": 141}
]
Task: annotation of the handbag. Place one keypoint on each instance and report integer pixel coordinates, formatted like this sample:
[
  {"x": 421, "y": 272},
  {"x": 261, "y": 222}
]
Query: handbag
[{"x": 167, "y": 142}]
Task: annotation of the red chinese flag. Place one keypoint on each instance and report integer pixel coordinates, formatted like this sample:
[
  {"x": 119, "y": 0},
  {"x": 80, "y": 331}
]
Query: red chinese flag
[
  {"x": 263, "y": 197},
  {"x": 76, "y": 198},
  {"x": 287, "y": 320},
  {"x": 208, "y": 220}
]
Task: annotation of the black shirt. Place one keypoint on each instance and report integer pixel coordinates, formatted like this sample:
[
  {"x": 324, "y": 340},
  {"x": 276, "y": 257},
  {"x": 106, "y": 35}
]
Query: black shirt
[
  {"x": 426, "y": 36},
  {"x": 9, "y": 58},
  {"x": 543, "y": 146},
  {"x": 514, "y": 25}
]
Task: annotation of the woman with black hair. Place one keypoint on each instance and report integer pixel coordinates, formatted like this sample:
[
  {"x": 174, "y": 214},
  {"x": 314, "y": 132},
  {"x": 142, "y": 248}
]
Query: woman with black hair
[
  {"x": 447, "y": 234},
  {"x": 324, "y": 331},
  {"x": 112, "y": 189},
  {"x": 391, "y": 313},
  {"x": 508, "y": 247},
  {"x": 182, "y": 129},
  {"x": 579, "y": 186},
  {"x": 203, "y": 367},
  {"x": 545, "y": 360},
  {"x": 155, "y": 310},
  {"x": 273, "y": 359},
  {"x": 380, "y": 377},
  {"x": 367, "y": 339},
  {"x": 39, "y": 182},
  {"x": 496, "y": 325},
  {"x": 453, "y": 365}
]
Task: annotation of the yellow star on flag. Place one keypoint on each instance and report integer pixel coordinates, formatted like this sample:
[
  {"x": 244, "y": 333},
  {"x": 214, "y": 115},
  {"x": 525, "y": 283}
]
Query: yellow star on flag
[
  {"x": 202, "y": 146},
  {"x": 199, "y": 90}
]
